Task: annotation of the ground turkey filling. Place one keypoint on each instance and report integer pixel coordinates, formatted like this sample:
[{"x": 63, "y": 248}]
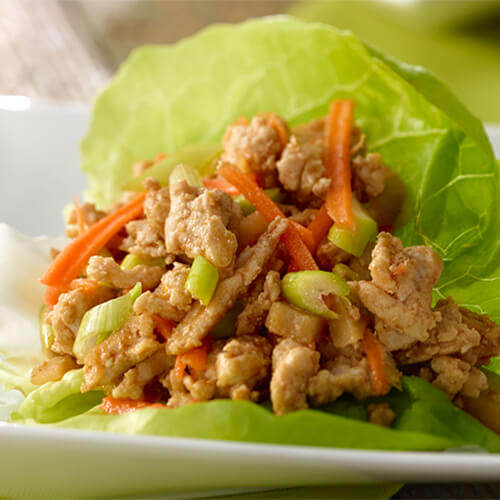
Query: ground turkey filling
[{"x": 275, "y": 349}]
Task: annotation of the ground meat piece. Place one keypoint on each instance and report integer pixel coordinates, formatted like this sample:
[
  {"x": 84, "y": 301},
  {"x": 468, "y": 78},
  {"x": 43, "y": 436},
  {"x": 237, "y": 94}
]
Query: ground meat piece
[
  {"x": 400, "y": 293},
  {"x": 293, "y": 367},
  {"x": 254, "y": 314},
  {"x": 328, "y": 255},
  {"x": 313, "y": 131},
  {"x": 106, "y": 270},
  {"x": 195, "y": 386},
  {"x": 254, "y": 146},
  {"x": 132, "y": 343},
  {"x": 133, "y": 382},
  {"x": 52, "y": 369},
  {"x": 66, "y": 315},
  {"x": 200, "y": 319},
  {"x": 450, "y": 336},
  {"x": 90, "y": 216},
  {"x": 368, "y": 175},
  {"x": 475, "y": 384},
  {"x": 347, "y": 371},
  {"x": 452, "y": 373},
  {"x": 243, "y": 363},
  {"x": 154, "y": 303},
  {"x": 173, "y": 287},
  {"x": 361, "y": 265},
  {"x": 303, "y": 217},
  {"x": 490, "y": 338},
  {"x": 301, "y": 170},
  {"x": 202, "y": 222},
  {"x": 392, "y": 339},
  {"x": 146, "y": 237},
  {"x": 381, "y": 414}
]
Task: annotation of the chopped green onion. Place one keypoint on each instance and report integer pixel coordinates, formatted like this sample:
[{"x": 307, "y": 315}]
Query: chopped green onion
[
  {"x": 306, "y": 289},
  {"x": 199, "y": 156},
  {"x": 227, "y": 326},
  {"x": 247, "y": 208},
  {"x": 187, "y": 173},
  {"x": 202, "y": 280},
  {"x": 102, "y": 320},
  {"x": 354, "y": 240},
  {"x": 345, "y": 272},
  {"x": 46, "y": 332},
  {"x": 130, "y": 261}
]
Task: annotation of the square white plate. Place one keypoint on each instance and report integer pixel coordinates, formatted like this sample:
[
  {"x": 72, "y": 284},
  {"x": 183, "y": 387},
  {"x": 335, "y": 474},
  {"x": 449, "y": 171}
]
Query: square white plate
[{"x": 38, "y": 154}]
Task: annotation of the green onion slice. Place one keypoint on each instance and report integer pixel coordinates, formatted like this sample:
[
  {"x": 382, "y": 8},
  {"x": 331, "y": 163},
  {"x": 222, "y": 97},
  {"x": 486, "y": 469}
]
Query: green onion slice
[
  {"x": 187, "y": 173},
  {"x": 199, "y": 156},
  {"x": 130, "y": 261},
  {"x": 46, "y": 332},
  {"x": 355, "y": 240},
  {"x": 102, "y": 320},
  {"x": 202, "y": 280},
  {"x": 308, "y": 289}
]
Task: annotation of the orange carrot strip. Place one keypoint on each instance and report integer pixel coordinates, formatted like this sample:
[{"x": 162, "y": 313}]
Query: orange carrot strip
[
  {"x": 269, "y": 210},
  {"x": 338, "y": 162},
  {"x": 51, "y": 296},
  {"x": 222, "y": 184},
  {"x": 164, "y": 326},
  {"x": 70, "y": 262},
  {"x": 119, "y": 406},
  {"x": 320, "y": 225},
  {"x": 180, "y": 367},
  {"x": 305, "y": 234},
  {"x": 280, "y": 130},
  {"x": 375, "y": 357},
  {"x": 80, "y": 217}
]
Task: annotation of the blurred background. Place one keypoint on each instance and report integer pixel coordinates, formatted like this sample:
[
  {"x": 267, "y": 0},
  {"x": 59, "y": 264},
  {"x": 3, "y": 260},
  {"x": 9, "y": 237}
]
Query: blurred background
[{"x": 66, "y": 50}]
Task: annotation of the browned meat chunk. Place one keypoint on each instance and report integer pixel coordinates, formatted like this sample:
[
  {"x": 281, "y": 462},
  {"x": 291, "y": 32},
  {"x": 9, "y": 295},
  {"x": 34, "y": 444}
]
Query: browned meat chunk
[
  {"x": 53, "y": 369},
  {"x": 254, "y": 147},
  {"x": 67, "y": 314},
  {"x": 328, "y": 255},
  {"x": 301, "y": 170},
  {"x": 254, "y": 314},
  {"x": 293, "y": 367},
  {"x": 243, "y": 363},
  {"x": 132, "y": 343},
  {"x": 106, "y": 270},
  {"x": 381, "y": 414},
  {"x": 90, "y": 216},
  {"x": 202, "y": 222},
  {"x": 200, "y": 319},
  {"x": 450, "y": 336},
  {"x": 170, "y": 300},
  {"x": 369, "y": 175},
  {"x": 133, "y": 382},
  {"x": 400, "y": 293}
]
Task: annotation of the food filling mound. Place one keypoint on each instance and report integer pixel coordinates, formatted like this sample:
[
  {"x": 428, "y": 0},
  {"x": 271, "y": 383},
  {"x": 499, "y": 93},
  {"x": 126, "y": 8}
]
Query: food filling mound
[{"x": 276, "y": 277}]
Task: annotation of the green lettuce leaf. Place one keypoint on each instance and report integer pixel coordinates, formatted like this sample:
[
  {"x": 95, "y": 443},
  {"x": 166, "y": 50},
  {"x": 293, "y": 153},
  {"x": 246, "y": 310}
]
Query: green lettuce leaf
[{"x": 427, "y": 420}]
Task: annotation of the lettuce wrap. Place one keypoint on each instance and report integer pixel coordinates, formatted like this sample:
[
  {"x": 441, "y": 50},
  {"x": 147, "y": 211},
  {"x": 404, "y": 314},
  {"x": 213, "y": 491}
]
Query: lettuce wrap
[{"x": 166, "y": 98}]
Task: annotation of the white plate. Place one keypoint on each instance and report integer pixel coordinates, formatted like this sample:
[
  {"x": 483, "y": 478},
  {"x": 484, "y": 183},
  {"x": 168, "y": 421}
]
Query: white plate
[{"x": 38, "y": 152}]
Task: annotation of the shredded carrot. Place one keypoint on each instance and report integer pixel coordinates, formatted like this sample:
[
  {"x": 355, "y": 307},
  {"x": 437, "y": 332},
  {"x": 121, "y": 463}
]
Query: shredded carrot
[
  {"x": 180, "y": 367},
  {"x": 51, "y": 296},
  {"x": 80, "y": 217},
  {"x": 70, "y": 262},
  {"x": 118, "y": 406},
  {"x": 222, "y": 184},
  {"x": 320, "y": 225},
  {"x": 305, "y": 234},
  {"x": 282, "y": 132},
  {"x": 164, "y": 326},
  {"x": 256, "y": 196},
  {"x": 338, "y": 162},
  {"x": 159, "y": 157},
  {"x": 375, "y": 357}
]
